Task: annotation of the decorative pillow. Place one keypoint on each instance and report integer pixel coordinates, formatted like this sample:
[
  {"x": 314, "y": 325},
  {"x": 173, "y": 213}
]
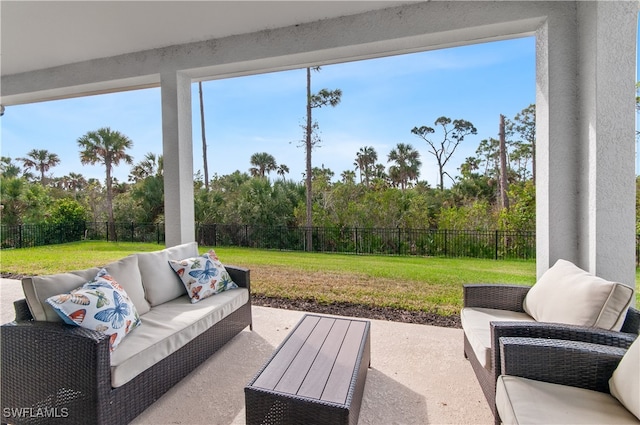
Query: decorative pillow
[
  {"x": 102, "y": 305},
  {"x": 203, "y": 276},
  {"x": 625, "y": 381},
  {"x": 570, "y": 295}
]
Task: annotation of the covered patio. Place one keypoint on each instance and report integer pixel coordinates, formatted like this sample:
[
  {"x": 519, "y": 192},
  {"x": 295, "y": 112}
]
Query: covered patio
[
  {"x": 586, "y": 74},
  {"x": 418, "y": 374}
]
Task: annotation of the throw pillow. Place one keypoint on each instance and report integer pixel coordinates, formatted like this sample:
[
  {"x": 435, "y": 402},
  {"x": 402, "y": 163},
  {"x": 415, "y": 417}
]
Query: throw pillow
[
  {"x": 203, "y": 276},
  {"x": 567, "y": 294},
  {"x": 625, "y": 381},
  {"x": 101, "y": 305}
]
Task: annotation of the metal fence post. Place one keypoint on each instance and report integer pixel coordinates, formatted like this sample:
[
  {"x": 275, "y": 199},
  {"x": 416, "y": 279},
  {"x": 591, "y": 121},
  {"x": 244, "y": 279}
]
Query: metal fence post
[
  {"x": 496, "y": 245},
  {"x": 356, "y": 241},
  {"x": 445, "y": 243}
]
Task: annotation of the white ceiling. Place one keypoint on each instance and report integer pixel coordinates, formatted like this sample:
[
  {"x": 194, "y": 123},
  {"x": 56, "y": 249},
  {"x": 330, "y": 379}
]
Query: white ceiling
[{"x": 42, "y": 34}]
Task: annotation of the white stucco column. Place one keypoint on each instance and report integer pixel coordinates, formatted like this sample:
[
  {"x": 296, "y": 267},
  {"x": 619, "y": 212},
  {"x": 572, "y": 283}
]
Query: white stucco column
[
  {"x": 586, "y": 56},
  {"x": 607, "y": 75},
  {"x": 558, "y": 197},
  {"x": 177, "y": 149}
]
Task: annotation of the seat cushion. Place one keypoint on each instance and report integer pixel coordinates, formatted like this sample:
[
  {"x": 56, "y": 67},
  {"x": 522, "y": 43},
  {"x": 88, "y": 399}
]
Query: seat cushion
[
  {"x": 476, "y": 325},
  {"x": 160, "y": 282},
  {"x": 525, "y": 401},
  {"x": 168, "y": 327},
  {"x": 567, "y": 294},
  {"x": 625, "y": 381}
]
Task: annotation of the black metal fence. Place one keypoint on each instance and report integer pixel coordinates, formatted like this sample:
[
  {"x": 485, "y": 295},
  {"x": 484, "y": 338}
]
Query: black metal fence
[
  {"x": 355, "y": 240},
  {"x": 125, "y": 232},
  {"x": 29, "y": 235},
  {"x": 382, "y": 241}
]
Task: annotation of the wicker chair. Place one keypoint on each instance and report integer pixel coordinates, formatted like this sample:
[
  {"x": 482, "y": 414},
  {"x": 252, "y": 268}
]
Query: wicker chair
[
  {"x": 559, "y": 381},
  {"x": 510, "y": 298}
]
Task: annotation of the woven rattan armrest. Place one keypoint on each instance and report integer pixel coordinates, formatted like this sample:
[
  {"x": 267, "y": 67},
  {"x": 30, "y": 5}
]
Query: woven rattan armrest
[
  {"x": 58, "y": 330},
  {"x": 240, "y": 275},
  {"x": 43, "y": 362},
  {"x": 21, "y": 308},
  {"x": 559, "y": 331},
  {"x": 543, "y": 330},
  {"x": 631, "y": 321},
  {"x": 572, "y": 363},
  {"x": 497, "y": 296}
]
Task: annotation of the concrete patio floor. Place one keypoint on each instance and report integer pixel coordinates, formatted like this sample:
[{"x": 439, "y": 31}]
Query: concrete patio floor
[{"x": 418, "y": 374}]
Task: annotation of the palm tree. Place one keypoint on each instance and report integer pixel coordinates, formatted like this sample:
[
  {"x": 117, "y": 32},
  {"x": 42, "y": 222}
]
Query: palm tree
[
  {"x": 365, "y": 161},
  {"x": 407, "y": 164},
  {"x": 106, "y": 147},
  {"x": 263, "y": 163},
  {"x": 8, "y": 168},
  {"x": 41, "y": 160},
  {"x": 282, "y": 170},
  {"x": 348, "y": 177},
  {"x": 149, "y": 166},
  {"x": 75, "y": 182}
]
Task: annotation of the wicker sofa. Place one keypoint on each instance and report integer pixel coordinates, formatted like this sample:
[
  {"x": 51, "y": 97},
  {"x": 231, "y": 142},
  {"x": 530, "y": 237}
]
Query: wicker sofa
[
  {"x": 494, "y": 311},
  {"x": 53, "y": 372},
  {"x": 549, "y": 381}
]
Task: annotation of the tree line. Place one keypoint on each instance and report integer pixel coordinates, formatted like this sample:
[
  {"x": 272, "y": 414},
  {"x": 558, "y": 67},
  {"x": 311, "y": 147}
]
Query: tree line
[
  {"x": 380, "y": 191},
  {"x": 493, "y": 190}
]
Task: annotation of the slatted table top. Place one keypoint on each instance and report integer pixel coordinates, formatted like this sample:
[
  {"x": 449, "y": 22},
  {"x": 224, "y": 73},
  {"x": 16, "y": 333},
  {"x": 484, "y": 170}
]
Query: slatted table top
[{"x": 318, "y": 360}]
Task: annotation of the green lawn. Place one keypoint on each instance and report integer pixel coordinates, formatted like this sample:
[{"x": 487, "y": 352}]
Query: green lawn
[{"x": 413, "y": 283}]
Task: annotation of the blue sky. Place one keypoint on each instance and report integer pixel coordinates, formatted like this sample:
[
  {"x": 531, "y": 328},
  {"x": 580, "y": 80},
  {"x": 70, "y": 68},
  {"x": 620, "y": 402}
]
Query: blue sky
[{"x": 383, "y": 99}]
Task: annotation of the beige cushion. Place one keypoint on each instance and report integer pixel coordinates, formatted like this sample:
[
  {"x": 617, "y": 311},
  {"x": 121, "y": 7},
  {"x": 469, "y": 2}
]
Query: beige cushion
[
  {"x": 167, "y": 328},
  {"x": 625, "y": 381},
  {"x": 525, "y": 401},
  {"x": 38, "y": 288},
  {"x": 476, "y": 324},
  {"x": 568, "y": 294},
  {"x": 160, "y": 282},
  {"x": 127, "y": 274}
]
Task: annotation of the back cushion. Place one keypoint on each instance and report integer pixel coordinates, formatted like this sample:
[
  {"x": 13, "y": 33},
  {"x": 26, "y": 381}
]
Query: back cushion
[
  {"x": 160, "y": 282},
  {"x": 127, "y": 274},
  {"x": 38, "y": 288},
  {"x": 625, "y": 381},
  {"x": 568, "y": 294}
]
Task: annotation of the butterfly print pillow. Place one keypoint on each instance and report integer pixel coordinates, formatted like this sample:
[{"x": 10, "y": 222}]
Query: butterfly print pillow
[
  {"x": 203, "y": 276},
  {"x": 101, "y": 305}
]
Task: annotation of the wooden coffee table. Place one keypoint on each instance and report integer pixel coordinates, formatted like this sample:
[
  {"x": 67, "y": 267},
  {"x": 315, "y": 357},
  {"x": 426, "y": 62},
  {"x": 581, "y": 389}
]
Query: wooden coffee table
[{"x": 316, "y": 376}]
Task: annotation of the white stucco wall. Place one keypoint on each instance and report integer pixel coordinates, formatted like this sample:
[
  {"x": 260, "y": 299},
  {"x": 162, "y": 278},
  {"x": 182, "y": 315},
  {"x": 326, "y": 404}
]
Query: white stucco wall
[{"x": 606, "y": 95}]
